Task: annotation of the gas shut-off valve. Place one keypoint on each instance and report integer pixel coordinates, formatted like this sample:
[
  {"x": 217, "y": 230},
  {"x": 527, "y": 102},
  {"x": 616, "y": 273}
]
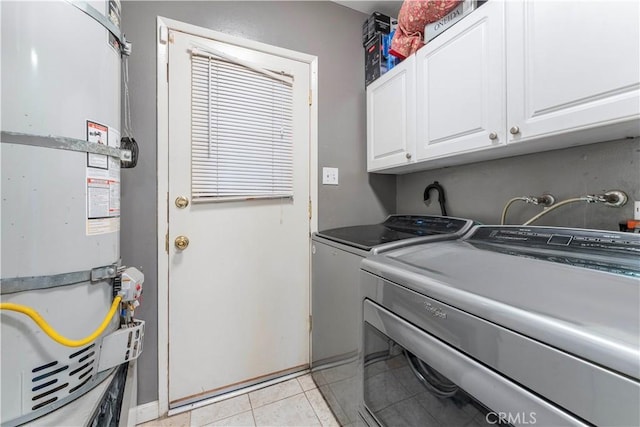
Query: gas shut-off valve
[
  {"x": 131, "y": 280},
  {"x": 125, "y": 344},
  {"x": 130, "y": 291}
]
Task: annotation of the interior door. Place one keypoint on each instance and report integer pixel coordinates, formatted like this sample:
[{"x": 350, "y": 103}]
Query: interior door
[{"x": 239, "y": 291}]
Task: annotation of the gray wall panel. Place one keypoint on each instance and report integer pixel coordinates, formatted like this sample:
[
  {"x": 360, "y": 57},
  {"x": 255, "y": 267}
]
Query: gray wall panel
[
  {"x": 480, "y": 190},
  {"x": 327, "y": 30}
]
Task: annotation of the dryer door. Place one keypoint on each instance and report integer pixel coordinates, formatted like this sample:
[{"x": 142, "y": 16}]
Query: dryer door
[{"x": 413, "y": 378}]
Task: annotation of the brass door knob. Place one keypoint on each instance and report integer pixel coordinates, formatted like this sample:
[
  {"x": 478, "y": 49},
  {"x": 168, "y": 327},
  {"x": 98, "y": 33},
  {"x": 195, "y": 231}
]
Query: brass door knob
[
  {"x": 182, "y": 242},
  {"x": 182, "y": 202}
]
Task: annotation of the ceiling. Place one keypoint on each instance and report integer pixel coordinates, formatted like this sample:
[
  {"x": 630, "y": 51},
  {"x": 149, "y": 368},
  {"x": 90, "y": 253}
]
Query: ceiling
[{"x": 389, "y": 8}]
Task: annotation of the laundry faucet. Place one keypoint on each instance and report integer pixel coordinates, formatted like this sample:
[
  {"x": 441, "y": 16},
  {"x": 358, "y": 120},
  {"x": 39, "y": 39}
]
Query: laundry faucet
[{"x": 441, "y": 198}]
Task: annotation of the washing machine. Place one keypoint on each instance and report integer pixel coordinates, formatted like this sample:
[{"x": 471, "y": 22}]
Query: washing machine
[
  {"x": 507, "y": 325},
  {"x": 336, "y": 257}
]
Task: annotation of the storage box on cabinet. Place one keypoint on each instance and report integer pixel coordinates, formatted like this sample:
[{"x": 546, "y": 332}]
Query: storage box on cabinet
[
  {"x": 434, "y": 29},
  {"x": 377, "y": 23},
  {"x": 519, "y": 77},
  {"x": 377, "y": 59}
]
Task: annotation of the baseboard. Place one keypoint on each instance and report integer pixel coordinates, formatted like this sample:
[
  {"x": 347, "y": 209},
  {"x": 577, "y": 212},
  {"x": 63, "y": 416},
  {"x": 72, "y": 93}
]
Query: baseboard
[{"x": 147, "y": 412}]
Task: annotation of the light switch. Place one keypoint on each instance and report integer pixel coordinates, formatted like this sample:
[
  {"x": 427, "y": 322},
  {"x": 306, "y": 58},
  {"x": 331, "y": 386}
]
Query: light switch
[{"x": 330, "y": 176}]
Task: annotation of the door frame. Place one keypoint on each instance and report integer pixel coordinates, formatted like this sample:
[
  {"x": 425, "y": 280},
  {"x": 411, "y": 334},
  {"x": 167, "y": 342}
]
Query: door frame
[{"x": 163, "y": 25}]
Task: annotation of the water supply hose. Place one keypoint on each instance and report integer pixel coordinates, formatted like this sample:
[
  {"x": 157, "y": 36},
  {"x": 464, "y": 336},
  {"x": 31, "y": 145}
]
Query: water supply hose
[
  {"x": 503, "y": 217},
  {"x": 545, "y": 199},
  {"x": 35, "y": 316},
  {"x": 556, "y": 206}
]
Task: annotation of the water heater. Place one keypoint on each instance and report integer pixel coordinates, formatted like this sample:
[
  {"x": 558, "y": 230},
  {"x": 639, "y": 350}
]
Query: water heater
[{"x": 60, "y": 253}]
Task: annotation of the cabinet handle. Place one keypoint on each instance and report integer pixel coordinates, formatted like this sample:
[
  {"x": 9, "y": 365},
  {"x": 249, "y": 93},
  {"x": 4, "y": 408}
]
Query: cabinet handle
[
  {"x": 408, "y": 156},
  {"x": 514, "y": 130},
  {"x": 493, "y": 136}
]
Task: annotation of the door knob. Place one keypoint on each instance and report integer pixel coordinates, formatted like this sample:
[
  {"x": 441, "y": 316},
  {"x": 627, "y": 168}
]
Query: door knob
[
  {"x": 182, "y": 242},
  {"x": 182, "y": 202},
  {"x": 514, "y": 130},
  {"x": 493, "y": 136},
  {"x": 408, "y": 156}
]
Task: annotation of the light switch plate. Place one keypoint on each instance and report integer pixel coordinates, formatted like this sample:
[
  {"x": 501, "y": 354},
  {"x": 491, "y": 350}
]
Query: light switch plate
[{"x": 330, "y": 176}]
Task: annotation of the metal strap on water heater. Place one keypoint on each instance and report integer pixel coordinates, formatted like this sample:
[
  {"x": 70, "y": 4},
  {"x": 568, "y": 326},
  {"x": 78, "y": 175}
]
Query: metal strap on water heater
[
  {"x": 59, "y": 142},
  {"x": 11, "y": 285},
  {"x": 125, "y": 46}
]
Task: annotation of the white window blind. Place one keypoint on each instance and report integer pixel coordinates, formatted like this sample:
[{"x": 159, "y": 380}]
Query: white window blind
[{"x": 241, "y": 131}]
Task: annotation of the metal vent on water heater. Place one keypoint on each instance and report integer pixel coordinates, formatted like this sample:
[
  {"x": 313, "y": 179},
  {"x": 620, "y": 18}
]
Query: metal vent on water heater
[
  {"x": 86, "y": 361},
  {"x": 55, "y": 380},
  {"x": 45, "y": 383}
]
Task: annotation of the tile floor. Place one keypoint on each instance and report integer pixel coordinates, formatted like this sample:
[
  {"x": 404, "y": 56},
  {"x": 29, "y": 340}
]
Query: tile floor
[
  {"x": 338, "y": 385},
  {"x": 296, "y": 402}
]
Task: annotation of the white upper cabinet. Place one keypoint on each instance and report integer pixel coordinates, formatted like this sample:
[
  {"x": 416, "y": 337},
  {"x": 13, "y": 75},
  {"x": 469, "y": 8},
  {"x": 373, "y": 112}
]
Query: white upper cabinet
[
  {"x": 510, "y": 78},
  {"x": 391, "y": 118},
  {"x": 571, "y": 65},
  {"x": 461, "y": 86}
]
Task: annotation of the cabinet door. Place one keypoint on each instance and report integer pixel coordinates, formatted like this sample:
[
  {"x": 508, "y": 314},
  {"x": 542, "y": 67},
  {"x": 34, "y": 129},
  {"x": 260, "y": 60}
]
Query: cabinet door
[
  {"x": 571, "y": 65},
  {"x": 461, "y": 83},
  {"x": 391, "y": 117}
]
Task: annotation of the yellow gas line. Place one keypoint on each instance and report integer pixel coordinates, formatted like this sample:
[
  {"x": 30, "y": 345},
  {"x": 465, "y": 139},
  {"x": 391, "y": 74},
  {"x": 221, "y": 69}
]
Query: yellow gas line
[{"x": 35, "y": 316}]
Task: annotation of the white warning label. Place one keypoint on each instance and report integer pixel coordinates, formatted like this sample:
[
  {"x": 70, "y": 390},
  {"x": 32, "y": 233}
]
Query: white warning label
[
  {"x": 97, "y": 133},
  {"x": 103, "y": 200},
  {"x": 98, "y": 198},
  {"x": 103, "y": 182}
]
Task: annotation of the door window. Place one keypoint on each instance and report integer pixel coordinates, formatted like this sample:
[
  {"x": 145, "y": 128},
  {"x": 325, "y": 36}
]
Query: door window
[{"x": 241, "y": 131}]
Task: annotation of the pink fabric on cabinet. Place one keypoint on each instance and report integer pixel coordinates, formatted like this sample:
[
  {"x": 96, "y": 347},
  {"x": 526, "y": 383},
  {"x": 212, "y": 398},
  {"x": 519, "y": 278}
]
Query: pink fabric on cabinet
[{"x": 413, "y": 16}]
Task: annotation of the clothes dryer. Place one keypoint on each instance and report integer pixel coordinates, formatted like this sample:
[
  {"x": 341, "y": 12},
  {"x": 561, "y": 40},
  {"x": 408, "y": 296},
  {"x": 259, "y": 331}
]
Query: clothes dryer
[{"x": 336, "y": 258}]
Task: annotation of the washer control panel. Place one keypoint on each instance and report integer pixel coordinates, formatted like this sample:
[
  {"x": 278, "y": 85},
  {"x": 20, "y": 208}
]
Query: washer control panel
[
  {"x": 613, "y": 252},
  {"x": 425, "y": 224},
  {"x": 558, "y": 238}
]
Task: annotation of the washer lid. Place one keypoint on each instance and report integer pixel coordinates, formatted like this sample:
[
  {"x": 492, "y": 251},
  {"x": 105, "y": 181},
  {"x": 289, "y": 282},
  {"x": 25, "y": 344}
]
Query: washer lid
[
  {"x": 584, "y": 300},
  {"x": 394, "y": 228}
]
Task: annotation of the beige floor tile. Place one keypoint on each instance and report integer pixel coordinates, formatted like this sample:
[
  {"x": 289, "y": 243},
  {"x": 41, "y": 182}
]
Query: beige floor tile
[
  {"x": 220, "y": 410},
  {"x": 274, "y": 393},
  {"x": 306, "y": 382},
  {"x": 321, "y": 408},
  {"x": 292, "y": 411},
  {"x": 238, "y": 420},
  {"x": 180, "y": 420}
]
